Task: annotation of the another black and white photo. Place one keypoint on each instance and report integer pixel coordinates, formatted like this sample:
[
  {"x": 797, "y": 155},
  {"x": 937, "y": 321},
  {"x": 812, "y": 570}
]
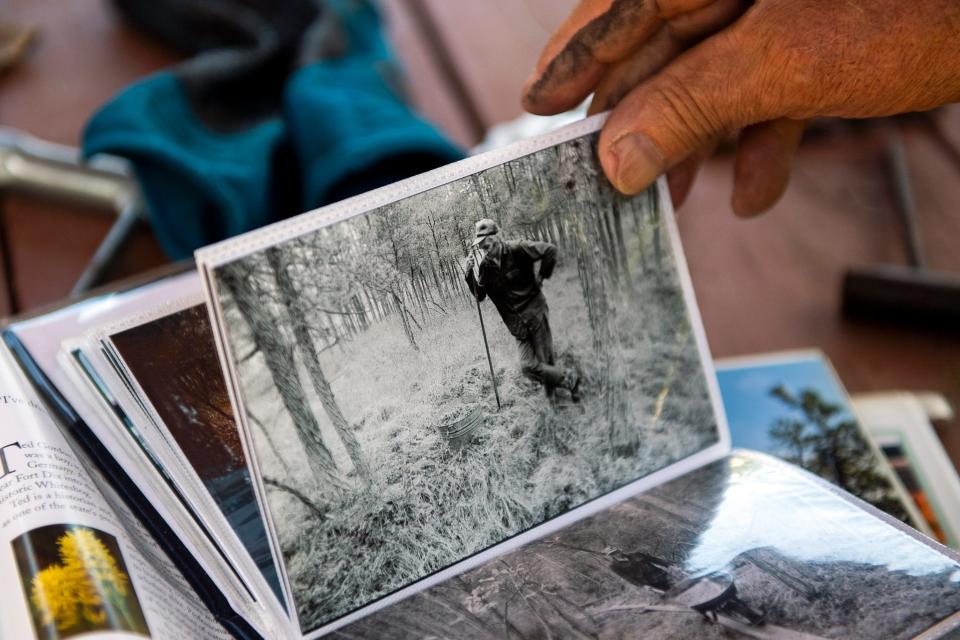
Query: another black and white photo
[
  {"x": 436, "y": 375},
  {"x": 745, "y": 547}
]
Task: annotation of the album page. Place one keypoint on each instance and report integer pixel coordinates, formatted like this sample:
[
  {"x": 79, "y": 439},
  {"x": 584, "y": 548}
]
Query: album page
[{"x": 432, "y": 373}]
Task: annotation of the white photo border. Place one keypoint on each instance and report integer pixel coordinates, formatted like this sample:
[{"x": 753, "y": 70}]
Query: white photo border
[{"x": 210, "y": 258}]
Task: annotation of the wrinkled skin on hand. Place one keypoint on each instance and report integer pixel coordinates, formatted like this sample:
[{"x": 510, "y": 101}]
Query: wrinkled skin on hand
[{"x": 681, "y": 75}]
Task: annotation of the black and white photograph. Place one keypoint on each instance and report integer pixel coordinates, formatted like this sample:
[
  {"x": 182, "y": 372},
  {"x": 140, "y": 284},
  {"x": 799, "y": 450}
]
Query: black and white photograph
[
  {"x": 435, "y": 376},
  {"x": 743, "y": 548}
]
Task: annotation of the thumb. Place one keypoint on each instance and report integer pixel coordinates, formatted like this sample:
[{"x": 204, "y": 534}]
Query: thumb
[{"x": 710, "y": 90}]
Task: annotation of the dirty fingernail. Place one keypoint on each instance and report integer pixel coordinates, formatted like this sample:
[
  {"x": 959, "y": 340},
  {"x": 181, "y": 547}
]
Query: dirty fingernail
[
  {"x": 529, "y": 89},
  {"x": 531, "y": 79},
  {"x": 636, "y": 163}
]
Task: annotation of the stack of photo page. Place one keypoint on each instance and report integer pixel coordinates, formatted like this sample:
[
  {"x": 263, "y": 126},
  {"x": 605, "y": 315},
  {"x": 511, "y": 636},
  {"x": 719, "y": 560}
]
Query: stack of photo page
[{"x": 478, "y": 403}]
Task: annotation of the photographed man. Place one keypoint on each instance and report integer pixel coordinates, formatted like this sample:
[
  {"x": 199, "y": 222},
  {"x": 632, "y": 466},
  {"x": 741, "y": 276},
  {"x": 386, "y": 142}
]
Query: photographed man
[{"x": 511, "y": 274}]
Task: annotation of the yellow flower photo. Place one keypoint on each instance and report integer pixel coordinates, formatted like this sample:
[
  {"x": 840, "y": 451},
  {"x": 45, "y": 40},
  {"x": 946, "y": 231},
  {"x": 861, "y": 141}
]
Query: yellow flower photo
[{"x": 76, "y": 581}]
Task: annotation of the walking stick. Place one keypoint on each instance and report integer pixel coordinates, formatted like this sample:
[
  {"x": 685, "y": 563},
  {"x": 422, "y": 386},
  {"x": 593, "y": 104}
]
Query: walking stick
[
  {"x": 493, "y": 376},
  {"x": 486, "y": 345}
]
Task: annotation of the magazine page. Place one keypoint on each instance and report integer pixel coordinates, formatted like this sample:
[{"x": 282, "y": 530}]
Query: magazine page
[
  {"x": 791, "y": 404},
  {"x": 38, "y": 341},
  {"x": 461, "y": 361},
  {"x": 163, "y": 475},
  {"x": 746, "y": 547},
  {"x": 72, "y": 563},
  {"x": 168, "y": 360}
]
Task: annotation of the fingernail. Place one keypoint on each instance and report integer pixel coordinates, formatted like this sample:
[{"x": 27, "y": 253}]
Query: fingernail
[
  {"x": 530, "y": 81},
  {"x": 526, "y": 94},
  {"x": 636, "y": 163}
]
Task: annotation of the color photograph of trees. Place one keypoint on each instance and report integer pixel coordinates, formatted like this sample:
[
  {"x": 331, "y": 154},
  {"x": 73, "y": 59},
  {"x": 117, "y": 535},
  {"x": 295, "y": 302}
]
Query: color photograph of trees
[
  {"x": 402, "y": 422},
  {"x": 794, "y": 407},
  {"x": 174, "y": 361}
]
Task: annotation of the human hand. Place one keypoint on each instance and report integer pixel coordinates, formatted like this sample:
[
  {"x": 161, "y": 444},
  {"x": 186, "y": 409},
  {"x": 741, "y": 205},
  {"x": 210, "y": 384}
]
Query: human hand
[
  {"x": 681, "y": 75},
  {"x": 474, "y": 260}
]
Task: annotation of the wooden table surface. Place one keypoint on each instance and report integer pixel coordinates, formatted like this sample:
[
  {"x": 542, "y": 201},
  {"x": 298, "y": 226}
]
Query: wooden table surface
[{"x": 766, "y": 284}]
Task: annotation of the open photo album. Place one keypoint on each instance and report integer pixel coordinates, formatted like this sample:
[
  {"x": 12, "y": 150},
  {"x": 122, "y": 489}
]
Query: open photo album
[{"x": 476, "y": 403}]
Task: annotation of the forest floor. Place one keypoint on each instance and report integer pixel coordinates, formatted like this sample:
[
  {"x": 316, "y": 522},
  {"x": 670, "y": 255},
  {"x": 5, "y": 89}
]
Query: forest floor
[{"x": 428, "y": 504}]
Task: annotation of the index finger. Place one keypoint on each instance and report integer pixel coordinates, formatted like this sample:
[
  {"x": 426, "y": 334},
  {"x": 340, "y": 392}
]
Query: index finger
[{"x": 595, "y": 34}]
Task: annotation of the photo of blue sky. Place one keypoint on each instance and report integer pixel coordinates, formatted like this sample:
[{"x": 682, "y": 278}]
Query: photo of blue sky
[{"x": 751, "y": 409}]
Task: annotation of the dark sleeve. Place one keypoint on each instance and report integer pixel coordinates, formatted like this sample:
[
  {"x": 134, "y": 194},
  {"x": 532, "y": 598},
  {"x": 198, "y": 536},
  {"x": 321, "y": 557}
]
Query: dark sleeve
[
  {"x": 474, "y": 287},
  {"x": 545, "y": 252}
]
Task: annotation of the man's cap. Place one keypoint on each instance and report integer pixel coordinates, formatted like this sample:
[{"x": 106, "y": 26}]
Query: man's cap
[{"x": 484, "y": 228}]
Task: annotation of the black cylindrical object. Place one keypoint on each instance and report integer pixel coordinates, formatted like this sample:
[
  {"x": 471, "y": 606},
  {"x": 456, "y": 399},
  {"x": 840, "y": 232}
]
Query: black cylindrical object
[{"x": 904, "y": 294}]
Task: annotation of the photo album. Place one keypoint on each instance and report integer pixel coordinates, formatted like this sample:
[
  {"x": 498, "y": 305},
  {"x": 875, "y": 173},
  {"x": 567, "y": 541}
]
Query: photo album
[{"x": 477, "y": 403}]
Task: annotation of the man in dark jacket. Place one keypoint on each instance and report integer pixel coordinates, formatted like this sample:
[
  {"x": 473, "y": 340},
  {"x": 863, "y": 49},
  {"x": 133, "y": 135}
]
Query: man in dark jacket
[{"x": 511, "y": 273}]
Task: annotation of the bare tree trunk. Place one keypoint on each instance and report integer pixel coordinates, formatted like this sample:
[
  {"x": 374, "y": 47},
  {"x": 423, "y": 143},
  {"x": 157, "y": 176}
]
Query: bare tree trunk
[
  {"x": 438, "y": 282},
  {"x": 273, "y": 447},
  {"x": 374, "y": 302},
  {"x": 283, "y": 370},
  {"x": 586, "y": 236},
  {"x": 655, "y": 228},
  {"x": 481, "y": 197},
  {"x": 404, "y": 320},
  {"x": 618, "y": 227},
  {"x": 361, "y": 312},
  {"x": 433, "y": 292},
  {"x": 612, "y": 257},
  {"x": 292, "y": 301},
  {"x": 587, "y": 233},
  {"x": 442, "y": 287},
  {"x": 408, "y": 292},
  {"x": 419, "y": 295}
]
